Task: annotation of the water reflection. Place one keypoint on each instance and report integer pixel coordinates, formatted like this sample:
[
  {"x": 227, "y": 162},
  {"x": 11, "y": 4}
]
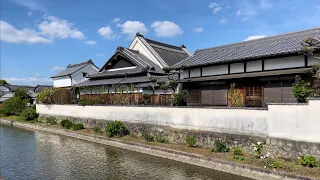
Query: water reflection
[{"x": 39, "y": 155}]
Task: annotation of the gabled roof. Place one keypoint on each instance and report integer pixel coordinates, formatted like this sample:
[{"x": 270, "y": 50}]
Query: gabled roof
[
  {"x": 40, "y": 88},
  {"x": 72, "y": 68},
  {"x": 142, "y": 63},
  {"x": 170, "y": 54},
  {"x": 166, "y": 54},
  {"x": 284, "y": 44}
]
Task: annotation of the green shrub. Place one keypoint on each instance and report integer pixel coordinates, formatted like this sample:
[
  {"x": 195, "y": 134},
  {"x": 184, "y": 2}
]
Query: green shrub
[
  {"x": 146, "y": 99},
  {"x": 239, "y": 158},
  {"x": 271, "y": 163},
  {"x": 191, "y": 141},
  {"x": 29, "y": 114},
  {"x": 220, "y": 146},
  {"x": 116, "y": 128},
  {"x": 51, "y": 120},
  {"x": 66, "y": 123},
  {"x": 161, "y": 139},
  {"x": 237, "y": 151},
  {"x": 22, "y": 93},
  {"x": 301, "y": 89},
  {"x": 85, "y": 101},
  {"x": 78, "y": 126},
  {"x": 180, "y": 99},
  {"x": 258, "y": 148},
  {"x": 46, "y": 96},
  {"x": 308, "y": 161},
  {"x": 97, "y": 130},
  {"x": 148, "y": 137},
  {"x": 13, "y": 106}
]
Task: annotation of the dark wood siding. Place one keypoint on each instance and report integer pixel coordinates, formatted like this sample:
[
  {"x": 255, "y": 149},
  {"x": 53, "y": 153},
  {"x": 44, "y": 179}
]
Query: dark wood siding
[
  {"x": 272, "y": 92},
  {"x": 214, "y": 95},
  {"x": 279, "y": 91}
]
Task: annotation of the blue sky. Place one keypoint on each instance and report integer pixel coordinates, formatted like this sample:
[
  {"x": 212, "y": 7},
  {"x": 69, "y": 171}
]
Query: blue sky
[{"x": 41, "y": 37}]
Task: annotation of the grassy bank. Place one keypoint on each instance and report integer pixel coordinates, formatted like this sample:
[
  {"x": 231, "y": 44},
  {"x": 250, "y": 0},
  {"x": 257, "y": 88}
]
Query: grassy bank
[{"x": 249, "y": 158}]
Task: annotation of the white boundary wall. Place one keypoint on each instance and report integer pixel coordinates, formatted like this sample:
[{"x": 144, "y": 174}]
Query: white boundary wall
[
  {"x": 295, "y": 122},
  {"x": 285, "y": 121},
  {"x": 235, "y": 121}
]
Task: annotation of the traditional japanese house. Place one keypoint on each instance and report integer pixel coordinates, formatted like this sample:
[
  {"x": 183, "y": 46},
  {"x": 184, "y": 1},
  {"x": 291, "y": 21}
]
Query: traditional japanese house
[
  {"x": 249, "y": 73},
  {"x": 135, "y": 70}
]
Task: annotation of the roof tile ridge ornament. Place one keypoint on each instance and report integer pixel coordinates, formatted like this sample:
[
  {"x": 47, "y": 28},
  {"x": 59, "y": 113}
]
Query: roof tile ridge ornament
[
  {"x": 183, "y": 46},
  {"x": 119, "y": 48},
  {"x": 139, "y": 35}
]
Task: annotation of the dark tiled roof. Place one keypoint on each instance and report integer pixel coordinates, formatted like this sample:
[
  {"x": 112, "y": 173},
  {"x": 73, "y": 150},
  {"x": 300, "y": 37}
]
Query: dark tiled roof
[
  {"x": 143, "y": 64},
  {"x": 170, "y": 54},
  {"x": 40, "y": 88},
  {"x": 141, "y": 81},
  {"x": 14, "y": 87},
  {"x": 71, "y": 68},
  {"x": 122, "y": 80},
  {"x": 288, "y": 43}
]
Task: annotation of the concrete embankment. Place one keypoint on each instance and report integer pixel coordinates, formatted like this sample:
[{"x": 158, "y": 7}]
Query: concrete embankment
[{"x": 194, "y": 159}]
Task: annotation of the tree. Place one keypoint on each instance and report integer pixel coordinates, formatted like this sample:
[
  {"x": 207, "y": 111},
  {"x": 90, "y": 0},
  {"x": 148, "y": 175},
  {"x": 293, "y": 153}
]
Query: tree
[
  {"x": 22, "y": 93},
  {"x": 301, "y": 89},
  {"x": 311, "y": 45},
  {"x": 3, "y": 82}
]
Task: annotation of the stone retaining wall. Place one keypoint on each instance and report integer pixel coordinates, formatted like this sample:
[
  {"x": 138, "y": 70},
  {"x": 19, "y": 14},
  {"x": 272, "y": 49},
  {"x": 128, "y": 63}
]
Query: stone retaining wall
[{"x": 289, "y": 130}]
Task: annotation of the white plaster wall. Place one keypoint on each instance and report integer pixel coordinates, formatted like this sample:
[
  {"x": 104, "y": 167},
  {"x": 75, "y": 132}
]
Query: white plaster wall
[
  {"x": 184, "y": 74},
  {"x": 195, "y": 72},
  {"x": 313, "y": 61},
  {"x": 254, "y": 66},
  {"x": 237, "y": 68},
  {"x": 157, "y": 91},
  {"x": 285, "y": 62},
  {"x": 215, "y": 70},
  {"x": 78, "y": 76},
  {"x": 64, "y": 81},
  {"x": 235, "y": 121},
  {"x": 138, "y": 46},
  {"x": 295, "y": 122}
]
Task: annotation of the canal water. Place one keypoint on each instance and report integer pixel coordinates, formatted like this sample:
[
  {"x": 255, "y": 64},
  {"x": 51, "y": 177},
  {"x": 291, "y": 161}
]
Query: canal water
[{"x": 39, "y": 155}]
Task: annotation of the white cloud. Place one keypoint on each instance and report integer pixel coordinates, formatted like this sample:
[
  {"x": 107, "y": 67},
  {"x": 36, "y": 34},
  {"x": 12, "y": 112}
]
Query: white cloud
[
  {"x": 32, "y": 5},
  {"x": 29, "y": 81},
  {"x": 254, "y": 37},
  {"x": 130, "y": 28},
  {"x": 244, "y": 19},
  {"x": 90, "y": 42},
  {"x": 212, "y": 5},
  {"x": 107, "y": 33},
  {"x": 238, "y": 12},
  {"x": 216, "y": 10},
  {"x": 54, "y": 28},
  {"x": 100, "y": 55},
  {"x": 29, "y": 13},
  {"x": 166, "y": 29},
  {"x": 10, "y": 34},
  {"x": 265, "y": 4},
  {"x": 115, "y": 20},
  {"x": 198, "y": 30},
  {"x": 223, "y": 21},
  {"x": 57, "y": 68}
]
